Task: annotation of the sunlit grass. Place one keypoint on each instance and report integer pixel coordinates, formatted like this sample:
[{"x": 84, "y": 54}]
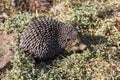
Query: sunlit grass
[{"x": 99, "y": 61}]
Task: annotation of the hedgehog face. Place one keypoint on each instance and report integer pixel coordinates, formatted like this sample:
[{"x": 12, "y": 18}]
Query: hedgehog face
[{"x": 74, "y": 42}]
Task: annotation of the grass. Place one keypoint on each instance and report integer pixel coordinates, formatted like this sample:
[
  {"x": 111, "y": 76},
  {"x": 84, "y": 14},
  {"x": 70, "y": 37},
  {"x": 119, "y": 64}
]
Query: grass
[{"x": 101, "y": 60}]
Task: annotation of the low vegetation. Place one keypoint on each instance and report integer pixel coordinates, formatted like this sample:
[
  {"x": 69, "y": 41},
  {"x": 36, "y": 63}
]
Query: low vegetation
[{"x": 96, "y": 21}]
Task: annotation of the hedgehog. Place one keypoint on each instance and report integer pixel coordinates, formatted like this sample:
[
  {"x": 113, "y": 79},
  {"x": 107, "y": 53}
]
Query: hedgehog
[{"x": 45, "y": 37}]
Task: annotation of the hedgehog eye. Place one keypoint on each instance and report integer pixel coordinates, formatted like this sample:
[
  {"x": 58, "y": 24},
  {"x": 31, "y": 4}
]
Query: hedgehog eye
[
  {"x": 77, "y": 44},
  {"x": 68, "y": 39}
]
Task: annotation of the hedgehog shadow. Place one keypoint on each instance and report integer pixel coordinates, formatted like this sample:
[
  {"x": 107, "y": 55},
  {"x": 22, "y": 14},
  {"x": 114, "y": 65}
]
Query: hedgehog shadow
[
  {"x": 61, "y": 55},
  {"x": 86, "y": 39},
  {"x": 91, "y": 40}
]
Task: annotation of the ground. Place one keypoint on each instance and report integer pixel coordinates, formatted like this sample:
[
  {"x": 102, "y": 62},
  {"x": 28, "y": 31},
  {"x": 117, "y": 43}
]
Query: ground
[
  {"x": 5, "y": 52},
  {"x": 99, "y": 24}
]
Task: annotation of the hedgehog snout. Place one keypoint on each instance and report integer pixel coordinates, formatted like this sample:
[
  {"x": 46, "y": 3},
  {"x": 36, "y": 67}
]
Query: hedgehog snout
[
  {"x": 79, "y": 46},
  {"x": 82, "y": 46}
]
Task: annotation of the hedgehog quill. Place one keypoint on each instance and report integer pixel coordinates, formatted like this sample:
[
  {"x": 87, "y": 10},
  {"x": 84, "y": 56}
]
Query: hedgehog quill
[{"x": 45, "y": 37}]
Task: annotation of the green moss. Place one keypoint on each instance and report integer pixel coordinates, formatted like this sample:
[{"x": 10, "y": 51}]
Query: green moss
[{"x": 99, "y": 61}]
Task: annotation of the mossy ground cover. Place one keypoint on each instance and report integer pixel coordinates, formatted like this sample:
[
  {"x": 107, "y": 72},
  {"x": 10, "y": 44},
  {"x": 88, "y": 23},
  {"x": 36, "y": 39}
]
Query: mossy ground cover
[{"x": 96, "y": 21}]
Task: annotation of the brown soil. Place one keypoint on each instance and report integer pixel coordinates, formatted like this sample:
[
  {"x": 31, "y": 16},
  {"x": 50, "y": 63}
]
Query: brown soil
[{"x": 5, "y": 51}]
